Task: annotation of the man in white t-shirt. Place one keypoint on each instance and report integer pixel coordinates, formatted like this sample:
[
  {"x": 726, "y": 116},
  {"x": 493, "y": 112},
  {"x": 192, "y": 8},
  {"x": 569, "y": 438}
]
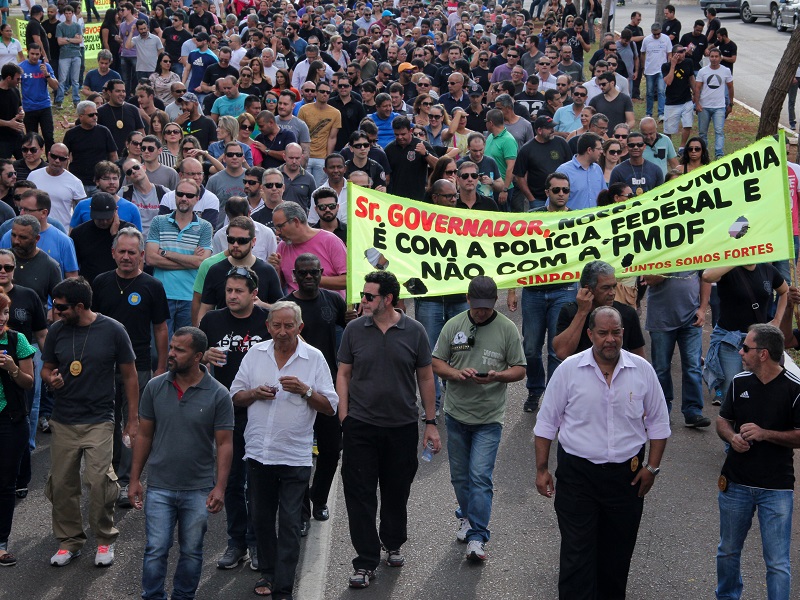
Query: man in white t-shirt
[
  {"x": 656, "y": 50},
  {"x": 710, "y": 86},
  {"x": 64, "y": 188}
]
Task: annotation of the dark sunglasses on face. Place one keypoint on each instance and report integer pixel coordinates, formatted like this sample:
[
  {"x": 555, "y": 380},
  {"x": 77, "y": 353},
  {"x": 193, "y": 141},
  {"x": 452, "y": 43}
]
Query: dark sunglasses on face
[
  {"x": 369, "y": 297},
  {"x": 578, "y": 94},
  {"x": 361, "y": 145},
  {"x": 239, "y": 240},
  {"x": 172, "y": 132},
  {"x": 450, "y": 172},
  {"x": 466, "y": 176},
  {"x": 149, "y": 148},
  {"x": 306, "y": 272},
  {"x": 331, "y": 206},
  {"x": 7, "y": 268},
  {"x": 130, "y": 171},
  {"x": 30, "y": 149},
  {"x": 132, "y": 143},
  {"x": 251, "y": 181},
  {"x": 246, "y": 127},
  {"x": 269, "y": 186},
  {"x": 62, "y": 307},
  {"x": 234, "y": 154},
  {"x": 189, "y": 195},
  {"x": 694, "y": 149},
  {"x": 636, "y": 145},
  {"x": 58, "y": 157},
  {"x": 614, "y": 152},
  {"x": 621, "y": 136},
  {"x": 559, "y": 190}
]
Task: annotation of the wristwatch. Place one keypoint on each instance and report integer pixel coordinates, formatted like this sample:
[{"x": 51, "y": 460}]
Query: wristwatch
[
  {"x": 653, "y": 470},
  {"x": 430, "y": 421},
  {"x": 162, "y": 252},
  {"x": 309, "y": 393}
]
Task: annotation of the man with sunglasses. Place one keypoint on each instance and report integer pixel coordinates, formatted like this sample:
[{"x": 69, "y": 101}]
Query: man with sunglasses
[
  {"x": 174, "y": 37},
  {"x": 350, "y": 107},
  {"x": 32, "y": 155},
  {"x": 537, "y": 159},
  {"x": 640, "y": 174},
  {"x": 176, "y": 245},
  {"x": 618, "y": 107},
  {"x": 64, "y": 189},
  {"x": 156, "y": 172},
  {"x": 360, "y": 148},
  {"x": 8, "y": 180},
  {"x": 326, "y": 205},
  {"x": 229, "y": 182}
]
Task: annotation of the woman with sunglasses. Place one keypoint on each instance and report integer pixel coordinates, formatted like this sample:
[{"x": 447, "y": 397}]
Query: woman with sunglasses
[
  {"x": 616, "y": 192},
  {"x": 337, "y": 51},
  {"x": 270, "y": 102},
  {"x": 247, "y": 125},
  {"x": 621, "y": 133},
  {"x": 189, "y": 147},
  {"x": 439, "y": 123},
  {"x": 445, "y": 168},
  {"x": 246, "y": 86},
  {"x": 227, "y": 131},
  {"x": 283, "y": 81},
  {"x": 610, "y": 158},
  {"x": 171, "y": 144},
  {"x": 133, "y": 147},
  {"x": 695, "y": 154},
  {"x": 422, "y": 106},
  {"x": 163, "y": 78},
  {"x": 457, "y": 134},
  {"x": 16, "y": 377}
]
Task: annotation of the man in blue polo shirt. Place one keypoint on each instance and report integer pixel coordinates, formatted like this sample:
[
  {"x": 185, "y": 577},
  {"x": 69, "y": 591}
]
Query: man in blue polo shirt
[
  {"x": 586, "y": 179},
  {"x": 383, "y": 117},
  {"x": 176, "y": 245},
  {"x": 37, "y": 77}
]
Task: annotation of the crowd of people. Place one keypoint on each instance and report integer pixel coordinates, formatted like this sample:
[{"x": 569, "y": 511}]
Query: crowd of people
[{"x": 194, "y": 216}]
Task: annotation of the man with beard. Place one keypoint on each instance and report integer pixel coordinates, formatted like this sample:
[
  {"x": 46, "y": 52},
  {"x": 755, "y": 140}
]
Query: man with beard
[
  {"x": 81, "y": 354},
  {"x": 176, "y": 245},
  {"x": 241, "y": 237},
  {"x": 118, "y": 116},
  {"x": 93, "y": 239},
  {"x": 334, "y": 170},
  {"x": 232, "y": 331},
  {"x": 537, "y": 159},
  {"x": 185, "y": 414},
  {"x": 326, "y": 205},
  {"x": 64, "y": 188}
]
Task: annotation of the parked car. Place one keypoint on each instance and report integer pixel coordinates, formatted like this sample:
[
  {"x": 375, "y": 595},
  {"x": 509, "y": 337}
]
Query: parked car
[
  {"x": 722, "y": 6},
  {"x": 788, "y": 16},
  {"x": 753, "y": 9}
]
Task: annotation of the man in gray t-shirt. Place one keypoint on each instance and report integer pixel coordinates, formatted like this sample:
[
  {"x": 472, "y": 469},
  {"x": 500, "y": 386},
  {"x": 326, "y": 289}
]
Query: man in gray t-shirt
[
  {"x": 229, "y": 182},
  {"x": 676, "y": 310},
  {"x": 80, "y": 354},
  {"x": 383, "y": 357}
]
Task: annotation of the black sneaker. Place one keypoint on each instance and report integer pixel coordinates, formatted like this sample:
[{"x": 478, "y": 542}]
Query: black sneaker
[
  {"x": 697, "y": 421},
  {"x": 532, "y": 403},
  {"x": 232, "y": 558}
]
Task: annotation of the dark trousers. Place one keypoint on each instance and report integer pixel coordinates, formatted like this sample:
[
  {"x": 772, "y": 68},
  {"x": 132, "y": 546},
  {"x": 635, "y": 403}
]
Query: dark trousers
[
  {"x": 377, "y": 456},
  {"x": 13, "y": 442},
  {"x": 277, "y": 489},
  {"x": 241, "y": 534},
  {"x": 91, "y": 9},
  {"x": 41, "y": 119},
  {"x": 637, "y": 84},
  {"x": 328, "y": 432},
  {"x": 598, "y": 515}
]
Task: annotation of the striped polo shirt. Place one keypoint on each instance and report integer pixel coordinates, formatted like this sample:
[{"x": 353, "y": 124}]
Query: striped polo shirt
[{"x": 166, "y": 232}]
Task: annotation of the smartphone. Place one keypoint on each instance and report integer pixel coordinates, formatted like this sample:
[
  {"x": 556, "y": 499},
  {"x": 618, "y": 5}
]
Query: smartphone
[{"x": 481, "y": 374}]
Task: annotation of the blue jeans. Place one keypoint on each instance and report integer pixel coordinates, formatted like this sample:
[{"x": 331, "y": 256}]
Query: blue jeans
[
  {"x": 540, "y": 309},
  {"x": 717, "y": 116},
  {"x": 162, "y": 510},
  {"x": 540, "y": 4},
  {"x": 432, "y": 315},
  {"x": 736, "y": 508},
  {"x": 655, "y": 85},
  {"x": 315, "y": 169},
  {"x": 69, "y": 70},
  {"x": 690, "y": 345},
  {"x": 731, "y": 363},
  {"x": 471, "y": 451},
  {"x": 180, "y": 315}
]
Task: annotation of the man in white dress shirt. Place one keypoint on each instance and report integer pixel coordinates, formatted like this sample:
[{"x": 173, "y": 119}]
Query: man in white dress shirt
[{"x": 604, "y": 403}]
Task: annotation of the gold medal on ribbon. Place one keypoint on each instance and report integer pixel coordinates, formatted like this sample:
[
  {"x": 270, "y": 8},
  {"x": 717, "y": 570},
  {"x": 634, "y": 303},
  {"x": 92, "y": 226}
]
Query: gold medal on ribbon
[
  {"x": 722, "y": 483},
  {"x": 75, "y": 368},
  {"x": 120, "y": 124},
  {"x": 634, "y": 463},
  {"x": 639, "y": 190}
]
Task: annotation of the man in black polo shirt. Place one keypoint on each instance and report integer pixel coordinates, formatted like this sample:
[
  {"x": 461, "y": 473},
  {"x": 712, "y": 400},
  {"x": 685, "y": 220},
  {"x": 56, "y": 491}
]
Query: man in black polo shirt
[
  {"x": 94, "y": 238},
  {"x": 409, "y": 159},
  {"x": 468, "y": 194},
  {"x": 232, "y": 331},
  {"x": 598, "y": 285},
  {"x": 537, "y": 159},
  {"x": 138, "y": 301}
]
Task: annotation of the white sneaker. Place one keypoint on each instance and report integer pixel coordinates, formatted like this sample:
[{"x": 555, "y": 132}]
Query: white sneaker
[
  {"x": 476, "y": 551},
  {"x": 463, "y": 527},
  {"x": 63, "y": 557},
  {"x": 104, "y": 556}
]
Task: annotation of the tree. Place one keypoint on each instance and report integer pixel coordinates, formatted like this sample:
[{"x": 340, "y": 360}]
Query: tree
[
  {"x": 776, "y": 94},
  {"x": 659, "y": 18}
]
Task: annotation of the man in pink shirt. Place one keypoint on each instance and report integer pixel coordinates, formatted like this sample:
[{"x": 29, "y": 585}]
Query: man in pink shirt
[
  {"x": 297, "y": 237},
  {"x": 604, "y": 403}
]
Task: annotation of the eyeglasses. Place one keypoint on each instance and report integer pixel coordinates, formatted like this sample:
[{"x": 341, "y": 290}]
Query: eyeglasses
[
  {"x": 22, "y": 209},
  {"x": 432, "y": 116},
  {"x": 58, "y": 157},
  {"x": 361, "y": 145},
  {"x": 471, "y": 339},
  {"x": 251, "y": 182},
  {"x": 132, "y": 143},
  {"x": 189, "y": 195},
  {"x": 614, "y": 152},
  {"x": 246, "y": 127},
  {"x": 149, "y": 148},
  {"x": 560, "y": 190},
  {"x": 130, "y": 171},
  {"x": 369, "y": 297},
  {"x": 278, "y": 226},
  {"x": 239, "y": 240},
  {"x": 745, "y": 347},
  {"x": 331, "y": 206},
  {"x": 694, "y": 149},
  {"x": 234, "y": 154},
  {"x": 447, "y": 196},
  {"x": 621, "y": 136},
  {"x": 466, "y": 176},
  {"x": 172, "y": 132},
  {"x": 306, "y": 272},
  {"x": 94, "y": 114},
  {"x": 451, "y": 172},
  {"x": 241, "y": 272},
  {"x": 636, "y": 145},
  {"x": 30, "y": 149},
  {"x": 7, "y": 268},
  {"x": 62, "y": 307},
  {"x": 269, "y": 186}
]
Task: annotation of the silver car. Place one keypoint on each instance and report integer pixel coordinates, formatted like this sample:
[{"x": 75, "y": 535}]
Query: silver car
[
  {"x": 752, "y": 9},
  {"x": 788, "y": 16}
]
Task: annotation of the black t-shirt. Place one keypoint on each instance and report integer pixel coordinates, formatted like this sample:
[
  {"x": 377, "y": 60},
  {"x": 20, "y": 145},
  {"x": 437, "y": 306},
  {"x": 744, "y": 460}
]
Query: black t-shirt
[
  {"x": 375, "y": 153},
  {"x": 476, "y": 121},
  {"x": 775, "y": 406},
  {"x": 575, "y": 43},
  {"x": 173, "y": 40},
  {"x": 217, "y": 71},
  {"x": 680, "y": 90},
  {"x": 372, "y": 168},
  {"x": 352, "y": 114},
  {"x": 632, "y": 337},
  {"x": 736, "y": 311},
  {"x": 26, "y": 313},
  {"x": 409, "y": 170},
  {"x": 641, "y": 178},
  {"x": 206, "y": 20},
  {"x": 41, "y": 274},
  {"x": 536, "y": 161},
  {"x": 672, "y": 27},
  {"x": 636, "y": 31},
  {"x": 33, "y": 28},
  {"x": 236, "y": 336},
  {"x": 269, "y": 284},
  {"x": 533, "y": 103},
  {"x": 10, "y": 102},
  {"x": 52, "y": 40},
  {"x": 111, "y": 116},
  {"x": 204, "y": 129},
  {"x": 614, "y": 110},
  {"x": 263, "y": 215},
  {"x": 714, "y": 25},
  {"x": 88, "y": 147},
  {"x": 137, "y": 303},
  {"x": 700, "y": 43},
  {"x": 320, "y": 318},
  {"x": 727, "y": 50},
  {"x": 93, "y": 249},
  {"x": 481, "y": 76}
]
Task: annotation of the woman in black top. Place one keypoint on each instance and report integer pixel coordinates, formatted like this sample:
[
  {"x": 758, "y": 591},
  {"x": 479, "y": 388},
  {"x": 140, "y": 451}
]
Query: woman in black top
[{"x": 109, "y": 31}]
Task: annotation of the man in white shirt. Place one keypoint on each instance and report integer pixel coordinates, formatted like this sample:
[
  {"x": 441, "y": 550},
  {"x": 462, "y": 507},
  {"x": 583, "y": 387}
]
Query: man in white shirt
[
  {"x": 64, "y": 188},
  {"x": 602, "y": 473},
  {"x": 283, "y": 383},
  {"x": 709, "y": 89},
  {"x": 656, "y": 50}
]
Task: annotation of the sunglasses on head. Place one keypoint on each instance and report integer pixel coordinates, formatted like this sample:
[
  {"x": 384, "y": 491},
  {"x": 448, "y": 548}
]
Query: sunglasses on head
[
  {"x": 189, "y": 195},
  {"x": 239, "y": 240},
  {"x": 241, "y": 272},
  {"x": 269, "y": 186}
]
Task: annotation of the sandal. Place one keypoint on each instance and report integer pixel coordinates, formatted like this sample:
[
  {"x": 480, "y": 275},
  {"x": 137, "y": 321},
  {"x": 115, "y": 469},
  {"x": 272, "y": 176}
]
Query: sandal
[
  {"x": 263, "y": 583},
  {"x": 7, "y": 559}
]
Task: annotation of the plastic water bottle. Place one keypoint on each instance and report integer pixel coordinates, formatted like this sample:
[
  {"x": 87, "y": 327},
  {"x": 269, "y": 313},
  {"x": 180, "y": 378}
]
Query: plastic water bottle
[
  {"x": 126, "y": 440},
  {"x": 427, "y": 453}
]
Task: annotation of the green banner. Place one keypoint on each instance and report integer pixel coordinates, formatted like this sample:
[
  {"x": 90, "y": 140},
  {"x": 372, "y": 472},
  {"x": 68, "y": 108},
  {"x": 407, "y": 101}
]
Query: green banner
[
  {"x": 734, "y": 211},
  {"x": 91, "y": 31}
]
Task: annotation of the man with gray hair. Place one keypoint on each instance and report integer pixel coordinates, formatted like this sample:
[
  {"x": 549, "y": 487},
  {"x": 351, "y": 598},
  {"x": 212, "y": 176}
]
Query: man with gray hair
[
  {"x": 88, "y": 144},
  {"x": 520, "y": 128},
  {"x": 598, "y": 286},
  {"x": 301, "y": 69},
  {"x": 96, "y": 79}
]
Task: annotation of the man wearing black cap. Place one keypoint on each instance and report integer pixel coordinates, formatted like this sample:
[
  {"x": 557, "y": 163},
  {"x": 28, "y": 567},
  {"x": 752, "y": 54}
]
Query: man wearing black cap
[
  {"x": 479, "y": 353},
  {"x": 201, "y": 127},
  {"x": 537, "y": 159},
  {"x": 93, "y": 238},
  {"x": 197, "y": 63},
  {"x": 34, "y": 34}
]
